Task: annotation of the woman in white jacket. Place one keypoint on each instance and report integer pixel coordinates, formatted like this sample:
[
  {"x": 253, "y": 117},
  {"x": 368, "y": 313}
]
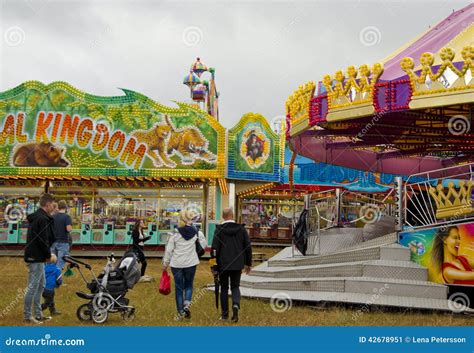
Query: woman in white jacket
[{"x": 181, "y": 256}]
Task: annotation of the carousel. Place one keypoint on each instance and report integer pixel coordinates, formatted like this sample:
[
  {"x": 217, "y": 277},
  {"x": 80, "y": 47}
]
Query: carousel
[{"x": 406, "y": 119}]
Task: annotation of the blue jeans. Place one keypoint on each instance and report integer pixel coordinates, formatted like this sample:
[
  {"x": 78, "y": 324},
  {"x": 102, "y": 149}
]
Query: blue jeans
[
  {"x": 183, "y": 280},
  {"x": 60, "y": 250},
  {"x": 34, "y": 289}
]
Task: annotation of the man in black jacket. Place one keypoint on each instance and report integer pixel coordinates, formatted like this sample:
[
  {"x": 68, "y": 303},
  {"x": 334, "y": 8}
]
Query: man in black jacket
[
  {"x": 233, "y": 251},
  {"x": 39, "y": 239}
]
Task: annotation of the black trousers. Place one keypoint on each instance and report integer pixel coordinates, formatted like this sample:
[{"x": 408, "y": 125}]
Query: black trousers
[
  {"x": 141, "y": 257},
  {"x": 233, "y": 278},
  {"x": 48, "y": 295}
]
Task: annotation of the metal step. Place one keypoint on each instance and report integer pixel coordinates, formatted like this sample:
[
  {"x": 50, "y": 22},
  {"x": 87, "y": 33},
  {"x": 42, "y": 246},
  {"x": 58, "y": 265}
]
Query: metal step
[
  {"x": 283, "y": 300},
  {"x": 393, "y": 252},
  {"x": 365, "y": 285},
  {"x": 373, "y": 268}
]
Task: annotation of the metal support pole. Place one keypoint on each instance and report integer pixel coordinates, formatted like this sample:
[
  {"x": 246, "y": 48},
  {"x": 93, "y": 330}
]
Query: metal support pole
[
  {"x": 399, "y": 204},
  {"x": 338, "y": 207}
]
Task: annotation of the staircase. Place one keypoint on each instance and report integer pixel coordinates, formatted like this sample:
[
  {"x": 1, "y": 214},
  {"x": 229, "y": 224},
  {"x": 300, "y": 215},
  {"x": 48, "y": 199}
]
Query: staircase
[{"x": 377, "y": 272}]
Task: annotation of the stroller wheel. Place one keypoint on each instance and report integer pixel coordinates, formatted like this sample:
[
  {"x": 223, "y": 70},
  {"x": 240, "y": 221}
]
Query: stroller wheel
[
  {"x": 99, "y": 316},
  {"x": 128, "y": 315},
  {"x": 84, "y": 312}
]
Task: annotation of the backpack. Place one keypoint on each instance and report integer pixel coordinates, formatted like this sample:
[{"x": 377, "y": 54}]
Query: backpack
[{"x": 301, "y": 233}]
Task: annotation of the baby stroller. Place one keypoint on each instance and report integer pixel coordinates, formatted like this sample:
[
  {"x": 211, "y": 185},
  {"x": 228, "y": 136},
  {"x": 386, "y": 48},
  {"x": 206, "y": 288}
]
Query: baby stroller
[{"x": 108, "y": 290}]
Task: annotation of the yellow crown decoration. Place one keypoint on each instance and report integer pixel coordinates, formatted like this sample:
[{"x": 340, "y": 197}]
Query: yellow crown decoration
[
  {"x": 453, "y": 201},
  {"x": 447, "y": 78},
  {"x": 297, "y": 105},
  {"x": 348, "y": 91}
]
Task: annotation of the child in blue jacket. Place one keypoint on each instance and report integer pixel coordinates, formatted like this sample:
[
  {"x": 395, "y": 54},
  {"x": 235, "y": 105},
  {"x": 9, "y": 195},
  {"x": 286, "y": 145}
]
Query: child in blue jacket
[{"x": 53, "y": 280}]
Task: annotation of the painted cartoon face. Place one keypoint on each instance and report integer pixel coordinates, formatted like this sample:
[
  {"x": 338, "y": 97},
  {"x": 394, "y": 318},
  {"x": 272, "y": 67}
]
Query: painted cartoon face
[{"x": 452, "y": 242}]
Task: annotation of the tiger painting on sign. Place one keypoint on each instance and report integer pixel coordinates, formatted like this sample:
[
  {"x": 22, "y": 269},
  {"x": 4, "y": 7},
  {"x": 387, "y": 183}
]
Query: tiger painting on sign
[{"x": 165, "y": 141}]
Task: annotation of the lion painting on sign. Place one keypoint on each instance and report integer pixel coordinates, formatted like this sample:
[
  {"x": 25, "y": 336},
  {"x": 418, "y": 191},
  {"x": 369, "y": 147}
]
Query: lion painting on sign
[{"x": 164, "y": 141}]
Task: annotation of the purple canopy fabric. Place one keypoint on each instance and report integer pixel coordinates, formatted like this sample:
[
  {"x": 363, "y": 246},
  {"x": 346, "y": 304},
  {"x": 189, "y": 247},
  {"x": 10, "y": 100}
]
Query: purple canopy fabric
[
  {"x": 432, "y": 41},
  {"x": 316, "y": 149}
]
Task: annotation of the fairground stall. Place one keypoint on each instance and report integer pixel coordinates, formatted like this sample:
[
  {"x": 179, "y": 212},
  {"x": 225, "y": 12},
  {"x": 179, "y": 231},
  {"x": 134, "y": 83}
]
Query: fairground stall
[
  {"x": 112, "y": 159},
  {"x": 255, "y": 162},
  {"x": 408, "y": 117},
  {"x": 270, "y": 210}
]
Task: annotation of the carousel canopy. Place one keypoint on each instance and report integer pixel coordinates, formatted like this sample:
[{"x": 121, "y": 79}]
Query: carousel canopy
[{"x": 406, "y": 114}]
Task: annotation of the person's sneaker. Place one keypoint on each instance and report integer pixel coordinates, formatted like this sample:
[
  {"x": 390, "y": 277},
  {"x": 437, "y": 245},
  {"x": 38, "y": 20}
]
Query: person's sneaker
[
  {"x": 43, "y": 318},
  {"x": 224, "y": 318},
  {"x": 179, "y": 317},
  {"x": 187, "y": 312},
  {"x": 55, "y": 312},
  {"x": 235, "y": 314},
  {"x": 32, "y": 321}
]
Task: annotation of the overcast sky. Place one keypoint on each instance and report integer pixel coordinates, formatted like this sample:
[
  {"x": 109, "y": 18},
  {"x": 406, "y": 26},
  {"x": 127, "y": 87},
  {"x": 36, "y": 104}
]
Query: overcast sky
[{"x": 261, "y": 50}]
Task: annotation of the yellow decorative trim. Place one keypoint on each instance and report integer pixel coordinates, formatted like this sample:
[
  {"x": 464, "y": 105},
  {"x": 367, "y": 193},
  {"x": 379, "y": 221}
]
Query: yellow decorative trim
[
  {"x": 350, "y": 91},
  {"x": 223, "y": 186},
  {"x": 442, "y": 99},
  {"x": 297, "y": 105},
  {"x": 454, "y": 202},
  {"x": 255, "y": 190},
  {"x": 428, "y": 82}
]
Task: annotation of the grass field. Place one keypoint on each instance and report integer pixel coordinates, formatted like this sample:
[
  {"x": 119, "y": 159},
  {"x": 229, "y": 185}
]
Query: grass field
[{"x": 154, "y": 309}]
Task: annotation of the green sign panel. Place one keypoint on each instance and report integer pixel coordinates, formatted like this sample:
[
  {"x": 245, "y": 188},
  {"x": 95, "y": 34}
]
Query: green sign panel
[
  {"x": 255, "y": 151},
  {"x": 59, "y": 130}
]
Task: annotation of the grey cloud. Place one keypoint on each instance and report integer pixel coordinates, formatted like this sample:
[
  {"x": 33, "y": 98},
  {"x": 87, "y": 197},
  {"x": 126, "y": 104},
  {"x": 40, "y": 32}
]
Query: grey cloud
[{"x": 261, "y": 51}]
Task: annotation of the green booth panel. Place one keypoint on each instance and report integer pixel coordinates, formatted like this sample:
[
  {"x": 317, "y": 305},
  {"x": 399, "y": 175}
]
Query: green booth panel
[
  {"x": 153, "y": 233},
  {"x": 22, "y": 235},
  {"x": 104, "y": 235},
  {"x": 121, "y": 237},
  {"x": 86, "y": 234},
  {"x": 163, "y": 236},
  {"x": 75, "y": 236},
  {"x": 10, "y": 235},
  {"x": 3, "y": 235}
]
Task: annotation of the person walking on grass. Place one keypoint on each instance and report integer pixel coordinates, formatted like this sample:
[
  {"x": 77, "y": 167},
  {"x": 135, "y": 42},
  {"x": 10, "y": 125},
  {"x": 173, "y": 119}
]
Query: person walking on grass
[
  {"x": 181, "y": 256},
  {"x": 62, "y": 228},
  {"x": 53, "y": 279},
  {"x": 139, "y": 238},
  {"x": 39, "y": 239},
  {"x": 233, "y": 252}
]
